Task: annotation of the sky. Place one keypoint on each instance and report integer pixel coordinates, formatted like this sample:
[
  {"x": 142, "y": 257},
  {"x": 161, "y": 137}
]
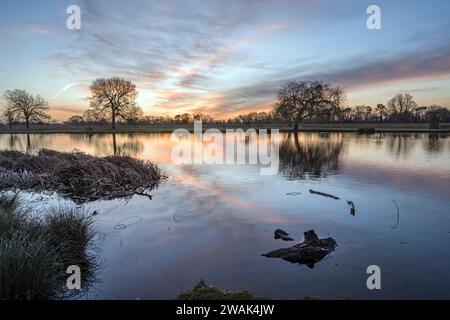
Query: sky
[{"x": 224, "y": 57}]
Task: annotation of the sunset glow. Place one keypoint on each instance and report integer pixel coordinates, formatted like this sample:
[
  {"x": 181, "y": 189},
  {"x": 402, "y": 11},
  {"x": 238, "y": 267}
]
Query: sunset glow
[{"x": 224, "y": 58}]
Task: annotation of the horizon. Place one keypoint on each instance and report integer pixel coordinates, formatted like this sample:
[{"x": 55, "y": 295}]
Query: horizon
[{"x": 224, "y": 59}]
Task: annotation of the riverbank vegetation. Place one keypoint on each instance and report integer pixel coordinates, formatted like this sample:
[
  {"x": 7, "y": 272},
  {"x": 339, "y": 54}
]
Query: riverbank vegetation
[
  {"x": 76, "y": 175},
  {"x": 204, "y": 291},
  {"x": 112, "y": 103},
  {"x": 35, "y": 251}
]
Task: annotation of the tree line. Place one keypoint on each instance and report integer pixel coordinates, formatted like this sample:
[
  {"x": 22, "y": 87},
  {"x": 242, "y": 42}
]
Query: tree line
[{"x": 113, "y": 100}]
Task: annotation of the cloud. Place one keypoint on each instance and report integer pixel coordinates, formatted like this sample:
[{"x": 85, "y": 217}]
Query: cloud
[
  {"x": 431, "y": 63},
  {"x": 41, "y": 30},
  {"x": 275, "y": 27},
  {"x": 67, "y": 87},
  {"x": 216, "y": 56}
]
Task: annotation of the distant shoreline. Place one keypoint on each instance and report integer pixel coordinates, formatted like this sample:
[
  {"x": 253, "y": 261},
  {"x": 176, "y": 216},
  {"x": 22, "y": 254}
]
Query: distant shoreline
[{"x": 309, "y": 127}]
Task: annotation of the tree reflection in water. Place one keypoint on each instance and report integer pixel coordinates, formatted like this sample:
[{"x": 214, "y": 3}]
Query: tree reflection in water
[
  {"x": 132, "y": 146},
  {"x": 113, "y": 144},
  {"x": 435, "y": 142},
  {"x": 311, "y": 155},
  {"x": 28, "y": 143}
]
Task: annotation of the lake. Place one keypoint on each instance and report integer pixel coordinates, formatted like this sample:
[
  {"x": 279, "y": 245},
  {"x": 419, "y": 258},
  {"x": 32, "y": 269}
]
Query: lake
[{"x": 213, "y": 222}]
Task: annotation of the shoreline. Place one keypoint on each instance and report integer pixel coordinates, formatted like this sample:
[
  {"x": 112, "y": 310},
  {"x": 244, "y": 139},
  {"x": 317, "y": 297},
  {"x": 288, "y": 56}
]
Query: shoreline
[{"x": 388, "y": 128}]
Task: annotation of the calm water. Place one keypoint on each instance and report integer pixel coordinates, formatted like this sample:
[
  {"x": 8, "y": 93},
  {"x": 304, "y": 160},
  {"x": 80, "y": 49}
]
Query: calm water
[{"x": 214, "y": 222}]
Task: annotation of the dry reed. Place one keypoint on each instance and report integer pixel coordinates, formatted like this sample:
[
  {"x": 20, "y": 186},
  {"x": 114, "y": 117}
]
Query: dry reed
[{"x": 76, "y": 175}]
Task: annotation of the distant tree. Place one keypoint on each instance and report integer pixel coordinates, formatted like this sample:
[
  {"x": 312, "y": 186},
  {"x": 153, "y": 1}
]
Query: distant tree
[
  {"x": 26, "y": 107},
  {"x": 202, "y": 117},
  {"x": 436, "y": 114},
  {"x": 419, "y": 114},
  {"x": 346, "y": 114},
  {"x": 133, "y": 114},
  {"x": 185, "y": 118},
  {"x": 362, "y": 113},
  {"x": 299, "y": 100},
  {"x": 112, "y": 98},
  {"x": 380, "y": 111},
  {"x": 89, "y": 116},
  {"x": 9, "y": 117},
  {"x": 401, "y": 107},
  {"x": 76, "y": 120}
]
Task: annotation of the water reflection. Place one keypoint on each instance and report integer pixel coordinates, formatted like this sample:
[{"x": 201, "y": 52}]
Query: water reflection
[
  {"x": 24, "y": 142},
  {"x": 401, "y": 144},
  {"x": 112, "y": 144},
  {"x": 232, "y": 209},
  {"x": 321, "y": 151},
  {"x": 313, "y": 156},
  {"x": 435, "y": 143},
  {"x": 132, "y": 146}
]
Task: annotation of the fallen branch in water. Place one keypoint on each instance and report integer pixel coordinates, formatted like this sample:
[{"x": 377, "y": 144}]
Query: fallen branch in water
[
  {"x": 76, "y": 175},
  {"x": 144, "y": 195},
  {"x": 324, "y": 194},
  {"x": 398, "y": 215}
]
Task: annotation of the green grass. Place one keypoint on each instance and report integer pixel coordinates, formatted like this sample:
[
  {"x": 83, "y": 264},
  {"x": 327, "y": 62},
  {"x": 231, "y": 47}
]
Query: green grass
[
  {"x": 203, "y": 291},
  {"x": 36, "y": 251}
]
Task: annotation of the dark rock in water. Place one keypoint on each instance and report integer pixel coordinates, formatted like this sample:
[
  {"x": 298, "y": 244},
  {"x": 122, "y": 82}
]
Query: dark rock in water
[
  {"x": 283, "y": 235},
  {"x": 309, "y": 252},
  {"x": 280, "y": 232}
]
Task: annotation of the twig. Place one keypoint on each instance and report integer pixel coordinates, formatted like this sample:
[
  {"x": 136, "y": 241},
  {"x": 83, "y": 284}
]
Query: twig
[
  {"x": 324, "y": 194},
  {"x": 398, "y": 215}
]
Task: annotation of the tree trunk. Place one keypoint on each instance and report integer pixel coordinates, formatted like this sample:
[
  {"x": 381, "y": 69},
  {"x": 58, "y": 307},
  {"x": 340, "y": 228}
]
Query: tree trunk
[
  {"x": 297, "y": 142},
  {"x": 113, "y": 119},
  {"x": 28, "y": 143},
  {"x": 296, "y": 124},
  {"x": 114, "y": 144}
]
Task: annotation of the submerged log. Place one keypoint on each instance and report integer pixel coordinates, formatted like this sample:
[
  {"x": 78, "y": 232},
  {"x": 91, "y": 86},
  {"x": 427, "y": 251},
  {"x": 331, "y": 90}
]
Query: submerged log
[
  {"x": 308, "y": 252},
  {"x": 324, "y": 194}
]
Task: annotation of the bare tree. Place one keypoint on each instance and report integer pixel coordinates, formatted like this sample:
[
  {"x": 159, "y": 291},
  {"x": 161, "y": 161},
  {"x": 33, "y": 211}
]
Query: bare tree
[
  {"x": 112, "y": 98},
  {"x": 401, "y": 106},
  {"x": 133, "y": 114},
  {"x": 26, "y": 107},
  {"x": 362, "y": 113},
  {"x": 299, "y": 100},
  {"x": 9, "y": 117},
  {"x": 380, "y": 110},
  {"x": 89, "y": 116},
  {"x": 76, "y": 120}
]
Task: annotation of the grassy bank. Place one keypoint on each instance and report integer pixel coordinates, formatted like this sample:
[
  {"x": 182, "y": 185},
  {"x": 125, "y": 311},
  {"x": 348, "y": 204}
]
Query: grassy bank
[
  {"x": 307, "y": 127},
  {"x": 36, "y": 251},
  {"x": 203, "y": 291}
]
